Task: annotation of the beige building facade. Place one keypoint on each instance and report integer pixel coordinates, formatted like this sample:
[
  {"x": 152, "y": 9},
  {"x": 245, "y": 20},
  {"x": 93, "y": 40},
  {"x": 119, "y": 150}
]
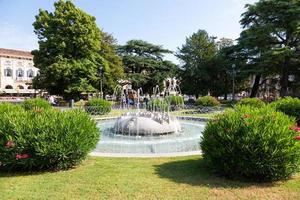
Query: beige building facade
[{"x": 17, "y": 71}]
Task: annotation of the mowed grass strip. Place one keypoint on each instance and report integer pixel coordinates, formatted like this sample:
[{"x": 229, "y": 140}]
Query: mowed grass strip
[{"x": 139, "y": 178}]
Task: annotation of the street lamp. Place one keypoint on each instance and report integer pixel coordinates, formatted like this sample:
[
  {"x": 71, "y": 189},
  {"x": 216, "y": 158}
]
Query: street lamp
[
  {"x": 233, "y": 81},
  {"x": 101, "y": 78}
]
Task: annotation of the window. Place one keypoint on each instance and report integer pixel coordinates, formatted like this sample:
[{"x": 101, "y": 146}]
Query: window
[
  {"x": 8, "y": 72},
  {"x": 9, "y": 87},
  {"x": 20, "y": 87},
  {"x": 20, "y": 72},
  {"x": 30, "y": 87},
  {"x": 30, "y": 73}
]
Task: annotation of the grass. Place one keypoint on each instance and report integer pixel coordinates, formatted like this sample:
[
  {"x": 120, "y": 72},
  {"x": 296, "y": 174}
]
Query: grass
[{"x": 139, "y": 178}]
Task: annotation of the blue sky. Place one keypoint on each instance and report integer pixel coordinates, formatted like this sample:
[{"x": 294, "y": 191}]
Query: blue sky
[{"x": 164, "y": 22}]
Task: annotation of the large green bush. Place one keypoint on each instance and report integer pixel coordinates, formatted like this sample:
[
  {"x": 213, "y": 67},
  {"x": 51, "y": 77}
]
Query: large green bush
[
  {"x": 251, "y": 143},
  {"x": 289, "y": 106},
  {"x": 207, "y": 101},
  {"x": 36, "y": 103},
  {"x": 44, "y": 139},
  {"x": 98, "y": 107},
  {"x": 253, "y": 102}
]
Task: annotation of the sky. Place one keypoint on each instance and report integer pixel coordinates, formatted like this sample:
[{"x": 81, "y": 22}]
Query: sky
[{"x": 163, "y": 22}]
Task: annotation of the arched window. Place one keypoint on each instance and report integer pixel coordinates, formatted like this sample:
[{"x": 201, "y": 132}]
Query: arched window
[
  {"x": 8, "y": 72},
  {"x": 20, "y": 72},
  {"x": 30, "y": 73},
  {"x": 30, "y": 87},
  {"x": 21, "y": 87},
  {"x": 9, "y": 87}
]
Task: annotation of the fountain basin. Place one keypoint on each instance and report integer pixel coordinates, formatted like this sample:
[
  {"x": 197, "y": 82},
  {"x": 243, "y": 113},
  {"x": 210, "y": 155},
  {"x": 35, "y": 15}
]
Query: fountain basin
[{"x": 184, "y": 142}]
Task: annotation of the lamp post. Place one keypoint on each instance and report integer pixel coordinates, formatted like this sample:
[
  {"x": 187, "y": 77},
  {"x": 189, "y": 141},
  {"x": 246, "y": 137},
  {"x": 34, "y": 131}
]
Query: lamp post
[
  {"x": 233, "y": 81},
  {"x": 101, "y": 79}
]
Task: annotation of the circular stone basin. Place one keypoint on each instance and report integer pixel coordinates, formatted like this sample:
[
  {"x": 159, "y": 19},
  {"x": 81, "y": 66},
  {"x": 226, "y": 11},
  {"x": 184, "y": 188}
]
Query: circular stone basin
[{"x": 185, "y": 141}]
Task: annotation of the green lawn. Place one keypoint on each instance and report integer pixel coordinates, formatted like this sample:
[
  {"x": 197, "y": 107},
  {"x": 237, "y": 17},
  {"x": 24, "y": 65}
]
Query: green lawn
[{"x": 139, "y": 178}]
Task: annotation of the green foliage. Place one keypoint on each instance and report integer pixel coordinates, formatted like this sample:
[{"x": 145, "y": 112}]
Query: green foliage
[
  {"x": 158, "y": 105},
  {"x": 98, "y": 107},
  {"x": 44, "y": 139},
  {"x": 36, "y": 103},
  {"x": 175, "y": 100},
  {"x": 289, "y": 106},
  {"x": 270, "y": 37},
  {"x": 251, "y": 143},
  {"x": 252, "y": 102},
  {"x": 207, "y": 101},
  {"x": 71, "y": 50},
  {"x": 145, "y": 65}
]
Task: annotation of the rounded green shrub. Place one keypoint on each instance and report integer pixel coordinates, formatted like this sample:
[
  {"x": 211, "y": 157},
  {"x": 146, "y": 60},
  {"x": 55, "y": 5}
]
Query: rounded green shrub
[
  {"x": 252, "y": 102},
  {"x": 289, "y": 106},
  {"x": 45, "y": 139},
  {"x": 98, "y": 107},
  {"x": 36, "y": 103},
  {"x": 256, "y": 144},
  {"x": 207, "y": 101}
]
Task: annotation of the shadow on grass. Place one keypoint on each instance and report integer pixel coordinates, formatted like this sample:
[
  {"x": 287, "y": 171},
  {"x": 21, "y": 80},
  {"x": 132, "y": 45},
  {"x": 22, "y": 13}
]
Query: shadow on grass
[{"x": 195, "y": 173}]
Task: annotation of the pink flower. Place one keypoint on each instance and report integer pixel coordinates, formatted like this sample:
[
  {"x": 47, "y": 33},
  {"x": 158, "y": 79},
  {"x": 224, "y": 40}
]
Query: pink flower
[
  {"x": 297, "y": 138},
  {"x": 9, "y": 144},
  {"x": 22, "y": 156},
  {"x": 295, "y": 128}
]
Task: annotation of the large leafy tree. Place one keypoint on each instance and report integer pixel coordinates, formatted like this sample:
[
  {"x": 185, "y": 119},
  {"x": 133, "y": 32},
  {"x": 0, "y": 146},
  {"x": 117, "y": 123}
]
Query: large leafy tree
[
  {"x": 71, "y": 51},
  {"x": 114, "y": 69},
  {"x": 197, "y": 69},
  {"x": 144, "y": 64},
  {"x": 271, "y": 41}
]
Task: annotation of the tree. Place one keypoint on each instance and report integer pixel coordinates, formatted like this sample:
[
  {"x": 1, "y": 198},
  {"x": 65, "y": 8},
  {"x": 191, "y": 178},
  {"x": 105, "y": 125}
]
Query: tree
[
  {"x": 197, "y": 70},
  {"x": 145, "y": 65},
  {"x": 271, "y": 40},
  {"x": 71, "y": 50},
  {"x": 114, "y": 68}
]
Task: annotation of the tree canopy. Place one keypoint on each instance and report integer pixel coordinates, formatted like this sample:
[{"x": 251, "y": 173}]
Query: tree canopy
[
  {"x": 271, "y": 40},
  {"x": 71, "y": 50},
  {"x": 144, "y": 64}
]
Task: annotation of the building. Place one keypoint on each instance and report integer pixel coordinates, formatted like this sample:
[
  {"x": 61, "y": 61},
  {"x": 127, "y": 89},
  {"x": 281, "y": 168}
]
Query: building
[{"x": 17, "y": 71}]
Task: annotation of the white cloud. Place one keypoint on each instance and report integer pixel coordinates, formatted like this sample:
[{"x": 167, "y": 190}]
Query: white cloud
[{"x": 14, "y": 37}]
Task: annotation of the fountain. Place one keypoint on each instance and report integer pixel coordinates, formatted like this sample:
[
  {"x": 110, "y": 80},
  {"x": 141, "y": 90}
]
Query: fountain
[
  {"x": 147, "y": 123},
  {"x": 149, "y": 133}
]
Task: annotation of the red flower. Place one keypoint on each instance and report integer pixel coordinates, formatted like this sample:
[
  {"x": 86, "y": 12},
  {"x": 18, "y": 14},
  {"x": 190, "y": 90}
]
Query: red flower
[
  {"x": 22, "y": 156},
  {"x": 9, "y": 144},
  {"x": 297, "y": 138},
  {"x": 295, "y": 128},
  {"x": 246, "y": 116}
]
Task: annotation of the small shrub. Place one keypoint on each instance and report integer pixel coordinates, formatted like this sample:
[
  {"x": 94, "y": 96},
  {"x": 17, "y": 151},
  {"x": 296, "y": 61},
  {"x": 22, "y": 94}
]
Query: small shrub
[
  {"x": 252, "y": 102},
  {"x": 45, "y": 139},
  {"x": 36, "y": 103},
  {"x": 207, "y": 101},
  {"x": 98, "y": 107},
  {"x": 252, "y": 143},
  {"x": 175, "y": 100},
  {"x": 289, "y": 106},
  {"x": 158, "y": 105}
]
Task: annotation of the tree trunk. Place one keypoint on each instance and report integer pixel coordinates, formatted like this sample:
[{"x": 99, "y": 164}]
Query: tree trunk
[
  {"x": 255, "y": 86},
  {"x": 226, "y": 88},
  {"x": 284, "y": 79}
]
